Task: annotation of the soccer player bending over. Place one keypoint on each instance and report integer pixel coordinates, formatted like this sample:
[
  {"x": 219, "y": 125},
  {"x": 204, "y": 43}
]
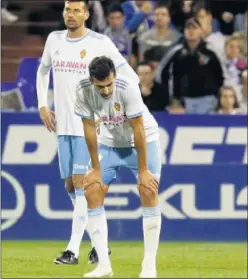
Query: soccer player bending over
[
  {"x": 69, "y": 53},
  {"x": 129, "y": 137}
]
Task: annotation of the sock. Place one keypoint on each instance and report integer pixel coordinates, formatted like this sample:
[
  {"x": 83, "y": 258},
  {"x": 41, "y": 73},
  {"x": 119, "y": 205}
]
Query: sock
[
  {"x": 73, "y": 198},
  {"x": 98, "y": 229},
  {"x": 90, "y": 236},
  {"x": 151, "y": 231},
  {"x": 79, "y": 222}
]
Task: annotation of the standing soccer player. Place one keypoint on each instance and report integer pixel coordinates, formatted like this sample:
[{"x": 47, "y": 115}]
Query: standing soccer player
[
  {"x": 129, "y": 137},
  {"x": 69, "y": 53}
]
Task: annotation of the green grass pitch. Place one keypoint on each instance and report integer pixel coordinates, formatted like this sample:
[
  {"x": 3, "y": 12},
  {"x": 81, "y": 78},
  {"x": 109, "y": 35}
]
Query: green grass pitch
[{"x": 34, "y": 259}]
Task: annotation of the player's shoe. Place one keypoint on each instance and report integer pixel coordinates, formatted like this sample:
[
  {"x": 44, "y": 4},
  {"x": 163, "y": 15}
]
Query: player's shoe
[
  {"x": 148, "y": 273},
  {"x": 93, "y": 257},
  {"x": 67, "y": 257},
  {"x": 99, "y": 272}
]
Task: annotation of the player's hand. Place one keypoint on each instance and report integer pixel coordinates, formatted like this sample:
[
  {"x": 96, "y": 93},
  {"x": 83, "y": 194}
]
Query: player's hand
[
  {"x": 48, "y": 118},
  {"x": 92, "y": 177},
  {"x": 148, "y": 180}
]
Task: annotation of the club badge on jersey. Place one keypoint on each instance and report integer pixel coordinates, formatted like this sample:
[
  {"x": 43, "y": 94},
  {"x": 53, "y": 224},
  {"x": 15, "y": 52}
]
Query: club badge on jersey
[{"x": 83, "y": 53}]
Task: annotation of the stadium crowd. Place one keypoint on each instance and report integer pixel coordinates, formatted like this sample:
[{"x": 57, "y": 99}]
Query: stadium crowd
[{"x": 191, "y": 56}]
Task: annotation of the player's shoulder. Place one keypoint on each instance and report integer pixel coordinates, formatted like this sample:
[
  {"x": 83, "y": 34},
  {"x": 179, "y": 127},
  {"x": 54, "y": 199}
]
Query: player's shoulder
[
  {"x": 124, "y": 82},
  {"x": 57, "y": 34},
  {"x": 84, "y": 83},
  {"x": 97, "y": 36}
]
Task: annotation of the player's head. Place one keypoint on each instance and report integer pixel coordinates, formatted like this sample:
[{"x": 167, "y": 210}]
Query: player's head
[
  {"x": 75, "y": 13},
  {"x": 102, "y": 75}
]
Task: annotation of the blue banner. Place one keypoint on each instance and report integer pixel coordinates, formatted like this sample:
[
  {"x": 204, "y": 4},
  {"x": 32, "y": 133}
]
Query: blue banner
[{"x": 203, "y": 190}]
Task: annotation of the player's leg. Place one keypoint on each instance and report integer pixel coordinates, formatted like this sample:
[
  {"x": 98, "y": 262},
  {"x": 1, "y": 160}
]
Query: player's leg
[
  {"x": 151, "y": 213},
  {"x": 65, "y": 165},
  {"x": 97, "y": 218},
  {"x": 79, "y": 165}
]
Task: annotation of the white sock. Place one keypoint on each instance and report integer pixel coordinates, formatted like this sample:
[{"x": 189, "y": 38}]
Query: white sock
[
  {"x": 151, "y": 231},
  {"x": 73, "y": 200},
  {"x": 79, "y": 222},
  {"x": 98, "y": 229},
  {"x": 72, "y": 197},
  {"x": 90, "y": 236}
]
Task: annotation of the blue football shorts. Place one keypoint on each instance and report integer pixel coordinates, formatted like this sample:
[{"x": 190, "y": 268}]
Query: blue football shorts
[
  {"x": 73, "y": 155},
  {"x": 112, "y": 159}
]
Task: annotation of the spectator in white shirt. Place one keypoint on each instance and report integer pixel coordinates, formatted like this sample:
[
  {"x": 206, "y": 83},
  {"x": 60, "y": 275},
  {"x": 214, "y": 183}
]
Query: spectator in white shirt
[{"x": 234, "y": 65}]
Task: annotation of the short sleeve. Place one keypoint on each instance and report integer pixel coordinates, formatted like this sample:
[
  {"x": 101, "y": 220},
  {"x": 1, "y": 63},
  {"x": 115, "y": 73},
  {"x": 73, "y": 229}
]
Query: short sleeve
[
  {"x": 133, "y": 103},
  {"x": 46, "y": 60},
  {"x": 81, "y": 107}
]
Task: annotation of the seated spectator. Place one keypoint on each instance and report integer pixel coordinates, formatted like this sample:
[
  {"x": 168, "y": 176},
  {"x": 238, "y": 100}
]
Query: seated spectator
[
  {"x": 154, "y": 55},
  {"x": 243, "y": 38},
  {"x": 117, "y": 31},
  {"x": 161, "y": 34},
  {"x": 195, "y": 71},
  {"x": 227, "y": 101},
  {"x": 234, "y": 65},
  {"x": 215, "y": 39},
  {"x": 154, "y": 95},
  {"x": 138, "y": 15},
  {"x": 244, "y": 91},
  {"x": 176, "y": 107}
]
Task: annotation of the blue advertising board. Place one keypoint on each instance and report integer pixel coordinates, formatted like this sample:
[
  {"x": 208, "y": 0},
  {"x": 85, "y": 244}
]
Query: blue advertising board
[{"x": 203, "y": 190}]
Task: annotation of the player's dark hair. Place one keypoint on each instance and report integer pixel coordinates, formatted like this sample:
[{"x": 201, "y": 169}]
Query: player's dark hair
[
  {"x": 115, "y": 8},
  {"x": 101, "y": 67},
  {"x": 86, "y": 2}
]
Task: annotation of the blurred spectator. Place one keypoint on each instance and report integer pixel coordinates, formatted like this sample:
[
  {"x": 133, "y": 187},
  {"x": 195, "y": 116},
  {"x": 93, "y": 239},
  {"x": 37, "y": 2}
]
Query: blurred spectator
[
  {"x": 6, "y": 15},
  {"x": 214, "y": 39},
  {"x": 154, "y": 55},
  {"x": 161, "y": 34},
  {"x": 202, "y": 10},
  {"x": 97, "y": 17},
  {"x": 176, "y": 107},
  {"x": 227, "y": 101},
  {"x": 181, "y": 11},
  {"x": 225, "y": 12},
  {"x": 244, "y": 100},
  {"x": 195, "y": 71},
  {"x": 117, "y": 31},
  {"x": 154, "y": 95},
  {"x": 138, "y": 15},
  {"x": 234, "y": 65},
  {"x": 243, "y": 37}
]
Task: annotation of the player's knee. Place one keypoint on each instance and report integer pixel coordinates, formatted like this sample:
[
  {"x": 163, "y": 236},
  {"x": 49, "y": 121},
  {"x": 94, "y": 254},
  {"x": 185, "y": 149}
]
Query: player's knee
[
  {"x": 95, "y": 195},
  {"x": 146, "y": 194},
  {"x": 69, "y": 185},
  {"x": 78, "y": 180}
]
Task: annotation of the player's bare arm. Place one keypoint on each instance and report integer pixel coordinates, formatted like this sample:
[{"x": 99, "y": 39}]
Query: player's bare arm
[{"x": 146, "y": 178}]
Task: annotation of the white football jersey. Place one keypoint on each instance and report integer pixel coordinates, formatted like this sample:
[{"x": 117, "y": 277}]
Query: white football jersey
[
  {"x": 69, "y": 59},
  {"x": 126, "y": 102}
]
